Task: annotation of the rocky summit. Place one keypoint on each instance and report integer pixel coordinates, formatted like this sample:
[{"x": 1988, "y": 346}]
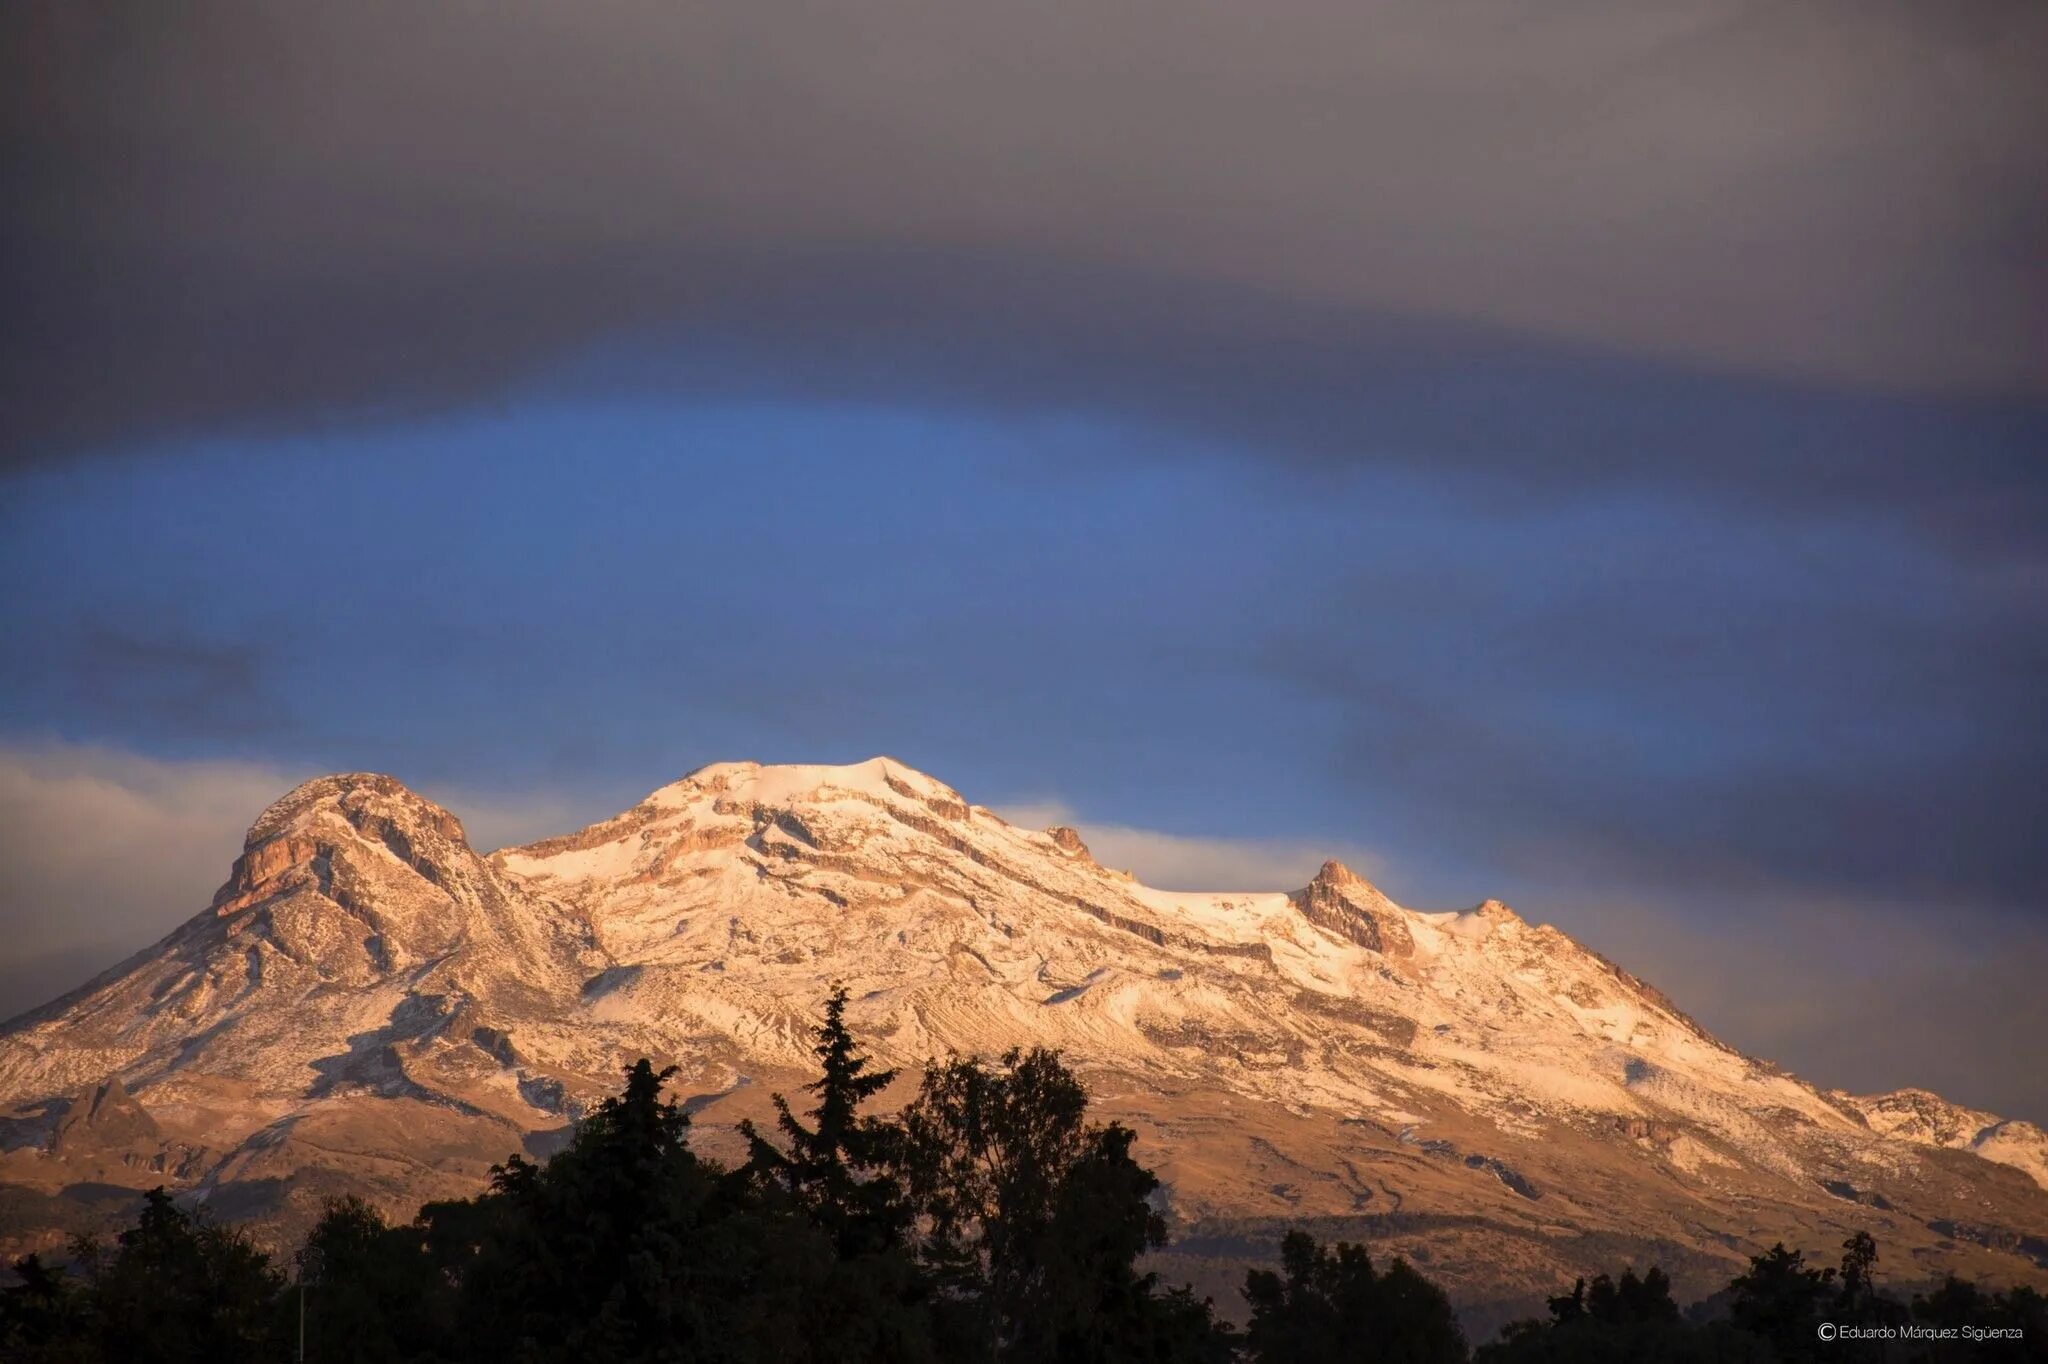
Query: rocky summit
[{"x": 370, "y": 1005}]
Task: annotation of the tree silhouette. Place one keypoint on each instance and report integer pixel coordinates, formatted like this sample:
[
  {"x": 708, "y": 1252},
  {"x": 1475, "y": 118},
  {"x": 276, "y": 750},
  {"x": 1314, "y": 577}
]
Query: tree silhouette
[
  {"x": 1032, "y": 1220},
  {"x": 835, "y": 1167},
  {"x": 1568, "y": 1306},
  {"x": 180, "y": 1289},
  {"x": 1327, "y": 1304},
  {"x": 43, "y": 1316},
  {"x": 1858, "y": 1300},
  {"x": 1780, "y": 1299},
  {"x": 1629, "y": 1320},
  {"x": 378, "y": 1299},
  {"x": 1620, "y": 1303}
]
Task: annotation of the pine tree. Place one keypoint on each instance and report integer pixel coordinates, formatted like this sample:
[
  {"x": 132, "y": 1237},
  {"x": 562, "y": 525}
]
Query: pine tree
[
  {"x": 628, "y": 1247},
  {"x": 833, "y": 1166},
  {"x": 593, "y": 1254}
]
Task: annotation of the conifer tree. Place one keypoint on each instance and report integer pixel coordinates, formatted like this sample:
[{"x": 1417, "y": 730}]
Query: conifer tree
[{"x": 834, "y": 1166}]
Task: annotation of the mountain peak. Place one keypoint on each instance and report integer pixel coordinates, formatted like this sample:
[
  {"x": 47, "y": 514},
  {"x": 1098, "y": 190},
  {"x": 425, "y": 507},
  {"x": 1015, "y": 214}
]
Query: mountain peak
[
  {"x": 781, "y": 784},
  {"x": 1342, "y": 901},
  {"x": 1335, "y": 881},
  {"x": 308, "y": 834},
  {"x": 352, "y": 793},
  {"x": 1335, "y": 873}
]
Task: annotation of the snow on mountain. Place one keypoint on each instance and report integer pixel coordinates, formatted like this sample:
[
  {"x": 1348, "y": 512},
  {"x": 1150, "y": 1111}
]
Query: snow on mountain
[
  {"x": 1918, "y": 1116},
  {"x": 371, "y": 1005}
]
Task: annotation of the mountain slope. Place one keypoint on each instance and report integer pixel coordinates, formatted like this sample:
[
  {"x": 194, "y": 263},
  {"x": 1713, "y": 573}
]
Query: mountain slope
[{"x": 369, "y": 1004}]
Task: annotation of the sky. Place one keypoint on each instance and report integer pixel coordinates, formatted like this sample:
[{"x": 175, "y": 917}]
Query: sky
[{"x": 1594, "y": 459}]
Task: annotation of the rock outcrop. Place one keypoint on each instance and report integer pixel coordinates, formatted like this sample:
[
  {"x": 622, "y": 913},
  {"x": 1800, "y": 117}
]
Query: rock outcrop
[{"x": 1347, "y": 904}]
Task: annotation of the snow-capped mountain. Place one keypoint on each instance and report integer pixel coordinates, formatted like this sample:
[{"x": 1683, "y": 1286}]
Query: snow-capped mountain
[{"x": 369, "y": 1004}]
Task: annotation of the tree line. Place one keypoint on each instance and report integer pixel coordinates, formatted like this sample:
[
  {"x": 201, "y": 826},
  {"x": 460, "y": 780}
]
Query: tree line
[
  {"x": 1779, "y": 1310},
  {"x": 989, "y": 1220}
]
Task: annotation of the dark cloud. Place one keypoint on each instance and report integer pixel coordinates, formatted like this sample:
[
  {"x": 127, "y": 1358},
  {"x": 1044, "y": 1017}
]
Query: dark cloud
[
  {"x": 1745, "y": 712},
  {"x": 1310, "y": 386},
  {"x": 177, "y": 684},
  {"x": 1790, "y": 253},
  {"x": 1856, "y": 995},
  {"x": 1973, "y": 1014}
]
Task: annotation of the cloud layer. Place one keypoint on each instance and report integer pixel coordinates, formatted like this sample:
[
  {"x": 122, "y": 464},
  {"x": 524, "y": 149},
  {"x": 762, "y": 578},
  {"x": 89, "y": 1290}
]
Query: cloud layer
[
  {"x": 103, "y": 852},
  {"x": 221, "y": 214}
]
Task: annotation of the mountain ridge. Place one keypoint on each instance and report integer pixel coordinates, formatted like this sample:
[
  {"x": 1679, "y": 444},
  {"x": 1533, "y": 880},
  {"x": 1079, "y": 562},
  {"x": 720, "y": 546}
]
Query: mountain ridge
[{"x": 369, "y": 1004}]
